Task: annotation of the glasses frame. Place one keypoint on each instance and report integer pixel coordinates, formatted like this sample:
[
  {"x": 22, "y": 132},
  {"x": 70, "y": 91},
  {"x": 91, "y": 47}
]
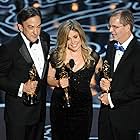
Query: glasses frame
[{"x": 114, "y": 27}]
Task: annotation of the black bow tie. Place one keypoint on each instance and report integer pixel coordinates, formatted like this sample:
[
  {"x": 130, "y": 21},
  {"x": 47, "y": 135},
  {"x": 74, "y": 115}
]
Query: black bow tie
[
  {"x": 117, "y": 47},
  {"x": 36, "y": 42}
]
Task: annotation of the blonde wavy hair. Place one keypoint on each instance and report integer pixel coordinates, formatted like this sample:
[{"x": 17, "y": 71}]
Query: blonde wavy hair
[{"x": 59, "y": 54}]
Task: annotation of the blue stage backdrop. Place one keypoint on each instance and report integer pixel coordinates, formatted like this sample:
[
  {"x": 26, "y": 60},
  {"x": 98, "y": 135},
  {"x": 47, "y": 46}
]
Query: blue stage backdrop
[{"x": 93, "y": 16}]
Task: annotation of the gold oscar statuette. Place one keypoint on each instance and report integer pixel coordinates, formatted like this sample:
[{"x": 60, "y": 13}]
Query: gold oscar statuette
[
  {"x": 31, "y": 99},
  {"x": 106, "y": 70},
  {"x": 64, "y": 74}
]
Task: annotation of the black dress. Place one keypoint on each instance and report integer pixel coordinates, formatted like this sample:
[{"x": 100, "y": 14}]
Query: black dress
[{"x": 73, "y": 123}]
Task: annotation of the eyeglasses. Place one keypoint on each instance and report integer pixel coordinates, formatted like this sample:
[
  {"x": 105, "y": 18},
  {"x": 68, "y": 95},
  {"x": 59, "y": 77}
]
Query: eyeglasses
[{"x": 114, "y": 27}]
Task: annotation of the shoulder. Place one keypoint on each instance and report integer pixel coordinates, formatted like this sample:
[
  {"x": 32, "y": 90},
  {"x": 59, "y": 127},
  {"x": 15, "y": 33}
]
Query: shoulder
[
  {"x": 135, "y": 44},
  {"x": 53, "y": 57},
  {"x": 97, "y": 59},
  {"x": 13, "y": 39},
  {"x": 45, "y": 40},
  {"x": 45, "y": 36},
  {"x": 12, "y": 43},
  {"x": 95, "y": 55},
  {"x": 112, "y": 42},
  {"x": 9, "y": 47}
]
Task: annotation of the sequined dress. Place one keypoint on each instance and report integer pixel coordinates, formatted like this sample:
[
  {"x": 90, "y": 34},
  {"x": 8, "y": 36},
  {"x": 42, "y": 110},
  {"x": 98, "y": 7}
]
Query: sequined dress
[{"x": 73, "y": 123}]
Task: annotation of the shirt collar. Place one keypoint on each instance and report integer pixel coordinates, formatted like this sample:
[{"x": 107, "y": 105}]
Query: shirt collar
[
  {"x": 25, "y": 39},
  {"x": 27, "y": 42},
  {"x": 126, "y": 43}
]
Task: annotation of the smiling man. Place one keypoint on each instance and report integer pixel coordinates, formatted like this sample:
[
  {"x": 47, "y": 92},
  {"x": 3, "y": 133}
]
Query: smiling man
[
  {"x": 119, "y": 117},
  {"x": 23, "y": 69}
]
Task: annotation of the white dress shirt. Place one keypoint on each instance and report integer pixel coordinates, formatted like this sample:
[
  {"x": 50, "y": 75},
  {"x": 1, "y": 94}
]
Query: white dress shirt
[
  {"x": 118, "y": 56},
  {"x": 36, "y": 53}
]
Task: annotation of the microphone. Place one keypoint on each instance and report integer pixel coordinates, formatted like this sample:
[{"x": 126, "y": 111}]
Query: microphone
[{"x": 71, "y": 63}]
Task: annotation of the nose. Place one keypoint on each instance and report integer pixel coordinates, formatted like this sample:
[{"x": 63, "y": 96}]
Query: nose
[
  {"x": 72, "y": 41},
  {"x": 35, "y": 31},
  {"x": 111, "y": 29}
]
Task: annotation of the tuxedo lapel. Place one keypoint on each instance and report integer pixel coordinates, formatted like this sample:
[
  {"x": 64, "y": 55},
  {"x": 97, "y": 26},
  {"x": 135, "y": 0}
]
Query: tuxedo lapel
[
  {"x": 126, "y": 54},
  {"x": 25, "y": 53},
  {"x": 110, "y": 58},
  {"x": 45, "y": 48},
  {"x": 112, "y": 62},
  {"x": 23, "y": 49}
]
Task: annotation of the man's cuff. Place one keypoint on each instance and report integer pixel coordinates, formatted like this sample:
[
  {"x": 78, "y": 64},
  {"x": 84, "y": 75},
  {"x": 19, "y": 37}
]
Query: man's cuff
[
  {"x": 110, "y": 101},
  {"x": 20, "y": 90}
]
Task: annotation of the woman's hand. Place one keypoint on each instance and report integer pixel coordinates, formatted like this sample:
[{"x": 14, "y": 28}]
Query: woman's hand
[{"x": 64, "y": 82}]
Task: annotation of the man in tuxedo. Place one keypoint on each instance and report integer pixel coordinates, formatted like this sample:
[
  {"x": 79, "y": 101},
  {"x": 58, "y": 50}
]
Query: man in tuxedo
[
  {"x": 25, "y": 120},
  {"x": 119, "y": 116}
]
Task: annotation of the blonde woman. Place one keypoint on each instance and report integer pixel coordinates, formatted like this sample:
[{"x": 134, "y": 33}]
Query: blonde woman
[{"x": 71, "y": 72}]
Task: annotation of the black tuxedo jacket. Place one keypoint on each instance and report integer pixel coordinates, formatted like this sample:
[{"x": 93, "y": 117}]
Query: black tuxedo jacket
[
  {"x": 125, "y": 88},
  {"x": 15, "y": 63}
]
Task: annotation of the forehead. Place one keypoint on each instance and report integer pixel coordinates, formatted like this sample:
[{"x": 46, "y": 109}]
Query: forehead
[
  {"x": 33, "y": 21},
  {"x": 73, "y": 32},
  {"x": 115, "y": 20}
]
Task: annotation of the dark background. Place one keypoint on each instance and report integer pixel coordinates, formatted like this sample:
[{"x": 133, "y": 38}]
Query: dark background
[{"x": 92, "y": 15}]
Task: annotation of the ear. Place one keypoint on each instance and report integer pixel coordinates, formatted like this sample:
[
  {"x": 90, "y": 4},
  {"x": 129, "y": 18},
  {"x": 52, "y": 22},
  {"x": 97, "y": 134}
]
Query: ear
[
  {"x": 20, "y": 27},
  {"x": 128, "y": 27}
]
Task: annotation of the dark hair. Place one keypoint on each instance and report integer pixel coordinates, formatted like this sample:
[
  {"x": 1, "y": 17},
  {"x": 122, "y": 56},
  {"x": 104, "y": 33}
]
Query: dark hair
[
  {"x": 26, "y": 13},
  {"x": 126, "y": 17}
]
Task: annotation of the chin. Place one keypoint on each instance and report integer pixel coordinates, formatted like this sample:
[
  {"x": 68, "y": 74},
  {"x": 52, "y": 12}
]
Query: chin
[
  {"x": 114, "y": 38},
  {"x": 75, "y": 50}
]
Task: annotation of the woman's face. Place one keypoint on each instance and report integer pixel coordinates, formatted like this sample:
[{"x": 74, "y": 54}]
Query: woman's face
[{"x": 74, "y": 41}]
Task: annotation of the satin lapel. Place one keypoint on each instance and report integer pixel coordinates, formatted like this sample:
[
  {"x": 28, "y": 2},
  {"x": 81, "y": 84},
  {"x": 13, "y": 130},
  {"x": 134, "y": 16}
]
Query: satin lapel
[
  {"x": 25, "y": 53},
  {"x": 112, "y": 62},
  {"x": 45, "y": 49},
  {"x": 110, "y": 56},
  {"x": 126, "y": 53}
]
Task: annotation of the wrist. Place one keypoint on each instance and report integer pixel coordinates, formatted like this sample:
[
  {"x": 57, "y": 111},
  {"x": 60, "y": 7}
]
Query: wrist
[
  {"x": 92, "y": 86},
  {"x": 58, "y": 83}
]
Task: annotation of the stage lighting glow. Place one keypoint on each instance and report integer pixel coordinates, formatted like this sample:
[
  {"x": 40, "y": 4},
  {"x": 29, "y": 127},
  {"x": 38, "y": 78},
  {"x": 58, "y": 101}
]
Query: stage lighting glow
[
  {"x": 75, "y": 7},
  {"x": 113, "y": 6},
  {"x": 36, "y": 4},
  {"x": 93, "y": 28},
  {"x": 56, "y": 24}
]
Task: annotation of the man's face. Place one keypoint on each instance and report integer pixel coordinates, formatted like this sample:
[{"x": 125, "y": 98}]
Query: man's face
[
  {"x": 119, "y": 32},
  {"x": 31, "y": 28}
]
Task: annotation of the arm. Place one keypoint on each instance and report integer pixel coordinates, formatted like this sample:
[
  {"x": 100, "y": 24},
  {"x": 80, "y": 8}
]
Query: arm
[
  {"x": 99, "y": 66},
  {"x": 10, "y": 79},
  {"x": 93, "y": 82},
  {"x": 105, "y": 96},
  {"x": 51, "y": 77},
  {"x": 125, "y": 85},
  {"x": 6, "y": 82},
  {"x": 53, "y": 82}
]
